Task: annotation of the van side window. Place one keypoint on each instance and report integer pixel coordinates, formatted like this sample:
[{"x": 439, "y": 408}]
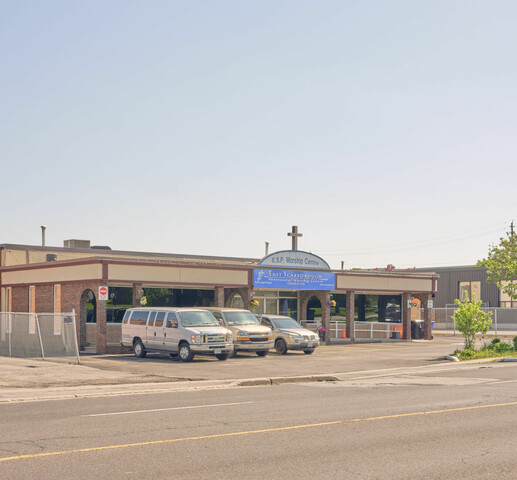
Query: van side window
[
  {"x": 172, "y": 321},
  {"x": 139, "y": 317},
  {"x": 151, "y": 319},
  {"x": 159, "y": 319},
  {"x": 126, "y": 316}
]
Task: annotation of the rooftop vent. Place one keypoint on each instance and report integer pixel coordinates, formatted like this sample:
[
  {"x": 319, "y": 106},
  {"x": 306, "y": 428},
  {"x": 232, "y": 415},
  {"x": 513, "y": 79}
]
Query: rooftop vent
[{"x": 76, "y": 243}]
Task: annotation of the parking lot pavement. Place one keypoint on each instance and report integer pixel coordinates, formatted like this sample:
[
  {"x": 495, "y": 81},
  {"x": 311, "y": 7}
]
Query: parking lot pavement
[{"x": 113, "y": 374}]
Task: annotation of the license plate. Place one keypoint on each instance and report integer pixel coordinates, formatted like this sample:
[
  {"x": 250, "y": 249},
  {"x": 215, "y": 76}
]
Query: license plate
[
  {"x": 217, "y": 351},
  {"x": 310, "y": 345}
]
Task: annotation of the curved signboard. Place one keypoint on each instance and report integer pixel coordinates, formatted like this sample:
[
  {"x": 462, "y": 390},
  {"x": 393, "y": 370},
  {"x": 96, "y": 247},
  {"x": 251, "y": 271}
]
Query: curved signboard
[
  {"x": 294, "y": 259},
  {"x": 293, "y": 279}
]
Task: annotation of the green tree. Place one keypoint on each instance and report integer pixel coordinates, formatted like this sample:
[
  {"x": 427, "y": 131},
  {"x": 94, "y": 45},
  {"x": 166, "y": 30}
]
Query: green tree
[
  {"x": 470, "y": 320},
  {"x": 501, "y": 265}
]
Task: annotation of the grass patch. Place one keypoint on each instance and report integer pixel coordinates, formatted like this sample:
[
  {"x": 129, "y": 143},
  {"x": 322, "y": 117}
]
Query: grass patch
[{"x": 497, "y": 348}]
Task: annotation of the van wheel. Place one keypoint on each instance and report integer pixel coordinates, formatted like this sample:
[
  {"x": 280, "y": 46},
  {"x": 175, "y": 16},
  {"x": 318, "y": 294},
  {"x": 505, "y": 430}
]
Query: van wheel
[
  {"x": 222, "y": 356},
  {"x": 139, "y": 349},
  {"x": 262, "y": 353},
  {"x": 281, "y": 346},
  {"x": 308, "y": 352},
  {"x": 185, "y": 353}
]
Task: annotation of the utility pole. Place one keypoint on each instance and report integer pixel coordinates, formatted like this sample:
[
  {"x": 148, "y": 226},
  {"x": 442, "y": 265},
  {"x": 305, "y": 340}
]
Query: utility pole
[{"x": 511, "y": 229}]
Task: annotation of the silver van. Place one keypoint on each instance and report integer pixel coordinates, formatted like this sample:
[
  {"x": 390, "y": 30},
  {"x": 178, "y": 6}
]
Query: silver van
[
  {"x": 184, "y": 332},
  {"x": 248, "y": 334}
]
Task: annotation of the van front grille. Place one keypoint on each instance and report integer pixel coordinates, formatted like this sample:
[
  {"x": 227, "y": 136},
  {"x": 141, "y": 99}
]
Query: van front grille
[{"x": 213, "y": 338}]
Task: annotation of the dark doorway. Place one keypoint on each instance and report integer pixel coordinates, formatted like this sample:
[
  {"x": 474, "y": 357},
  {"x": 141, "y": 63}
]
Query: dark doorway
[{"x": 313, "y": 309}]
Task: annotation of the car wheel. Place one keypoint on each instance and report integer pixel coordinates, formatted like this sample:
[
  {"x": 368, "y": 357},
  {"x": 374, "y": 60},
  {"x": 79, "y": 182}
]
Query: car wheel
[
  {"x": 262, "y": 353},
  {"x": 185, "y": 353},
  {"x": 222, "y": 356},
  {"x": 281, "y": 346},
  {"x": 308, "y": 352},
  {"x": 139, "y": 349}
]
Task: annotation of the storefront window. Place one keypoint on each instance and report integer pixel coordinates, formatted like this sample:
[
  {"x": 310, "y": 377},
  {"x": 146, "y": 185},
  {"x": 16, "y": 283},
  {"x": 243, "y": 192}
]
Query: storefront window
[
  {"x": 120, "y": 299},
  {"x": 178, "y": 297},
  {"x": 277, "y": 303}
]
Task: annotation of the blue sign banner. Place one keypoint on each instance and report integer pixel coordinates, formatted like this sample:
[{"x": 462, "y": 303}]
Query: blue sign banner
[{"x": 293, "y": 279}]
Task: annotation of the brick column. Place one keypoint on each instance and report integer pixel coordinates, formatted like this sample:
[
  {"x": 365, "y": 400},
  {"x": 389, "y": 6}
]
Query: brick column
[
  {"x": 303, "y": 301},
  {"x": 246, "y": 295},
  {"x": 325, "y": 316},
  {"x": 219, "y": 297},
  {"x": 406, "y": 319},
  {"x": 350, "y": 311},
  {"x": 138, "y": 293},
  {"x": 101, "y": 326},
  {"x": 427, "y": 317}
]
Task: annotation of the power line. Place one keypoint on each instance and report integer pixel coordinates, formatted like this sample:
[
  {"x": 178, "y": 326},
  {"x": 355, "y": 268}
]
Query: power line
[{"x": 412, "y": 245}]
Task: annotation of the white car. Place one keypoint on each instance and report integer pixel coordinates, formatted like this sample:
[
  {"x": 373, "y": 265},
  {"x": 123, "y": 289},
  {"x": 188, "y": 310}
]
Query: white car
[{"x": 288, "y": 334}]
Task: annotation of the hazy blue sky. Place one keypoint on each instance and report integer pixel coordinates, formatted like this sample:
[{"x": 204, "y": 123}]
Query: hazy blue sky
[{"x": 385, "y": 130}]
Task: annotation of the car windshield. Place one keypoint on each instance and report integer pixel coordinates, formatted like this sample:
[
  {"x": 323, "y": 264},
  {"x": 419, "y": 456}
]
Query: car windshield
[
  {"x": 198, "y": 319},
  {"x": 240, "y": 318},
  {"x": 285, "y": 322}
]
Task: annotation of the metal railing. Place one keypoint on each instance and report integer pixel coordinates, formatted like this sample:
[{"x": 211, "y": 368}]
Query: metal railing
[
  {"x": 363, "y": 330},
  {"x": 503, "y": 319},
  {"x": 40, "y": 335}
]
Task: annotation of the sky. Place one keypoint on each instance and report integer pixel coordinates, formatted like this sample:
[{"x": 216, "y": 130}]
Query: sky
[{"x": 385, "y": 130}]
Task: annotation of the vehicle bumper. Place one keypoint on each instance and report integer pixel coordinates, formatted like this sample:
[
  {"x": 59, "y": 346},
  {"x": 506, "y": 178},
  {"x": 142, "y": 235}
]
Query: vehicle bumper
[
  {"x": 253, "y": 346},
  {"x": 212, "y": 349},
  {"x": 303, "y": 345}
]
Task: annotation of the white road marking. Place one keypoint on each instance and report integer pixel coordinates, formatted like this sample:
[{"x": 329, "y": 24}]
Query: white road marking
[{"x": 165, "y": 409}]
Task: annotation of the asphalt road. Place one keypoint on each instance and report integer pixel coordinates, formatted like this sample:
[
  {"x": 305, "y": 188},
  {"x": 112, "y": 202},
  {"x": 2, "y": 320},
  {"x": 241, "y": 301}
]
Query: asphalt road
[{"x": 456, "y": 421}]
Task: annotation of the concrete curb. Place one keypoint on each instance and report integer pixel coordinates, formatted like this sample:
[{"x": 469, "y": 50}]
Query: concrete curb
[{"x": 252, "y": 382}]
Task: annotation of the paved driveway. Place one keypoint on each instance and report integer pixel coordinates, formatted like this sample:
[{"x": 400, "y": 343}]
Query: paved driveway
[{"x": 325, "y": 360}]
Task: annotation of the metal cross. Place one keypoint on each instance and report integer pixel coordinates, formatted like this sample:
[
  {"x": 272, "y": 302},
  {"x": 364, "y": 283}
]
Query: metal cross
[{"x": 294, "y": 233}]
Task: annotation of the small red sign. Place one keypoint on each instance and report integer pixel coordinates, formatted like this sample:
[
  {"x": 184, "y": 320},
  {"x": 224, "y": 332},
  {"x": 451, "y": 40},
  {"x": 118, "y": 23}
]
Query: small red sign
[{"x": 103, "y": 293}]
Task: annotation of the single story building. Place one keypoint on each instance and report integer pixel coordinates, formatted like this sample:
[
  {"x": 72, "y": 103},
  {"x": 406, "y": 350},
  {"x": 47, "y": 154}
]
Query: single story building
[{"x": 100, "y": 283}]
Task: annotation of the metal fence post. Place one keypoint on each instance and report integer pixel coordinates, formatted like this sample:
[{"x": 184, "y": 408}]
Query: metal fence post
[
  {"x": 10, "y": 330},
  {"x": 75, "y": 337},
  {"x": 495, "y": 319},
  {"x": 39, "y": 335}
]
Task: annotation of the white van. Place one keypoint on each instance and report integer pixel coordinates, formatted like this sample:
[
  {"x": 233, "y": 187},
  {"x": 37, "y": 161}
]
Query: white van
[{"x": 179, "y": 331}]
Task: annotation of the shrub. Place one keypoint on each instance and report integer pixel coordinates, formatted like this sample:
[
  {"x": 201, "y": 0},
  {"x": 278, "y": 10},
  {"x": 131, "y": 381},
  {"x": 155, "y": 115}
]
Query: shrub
[
  {"x": 515, "y": 343},
  {"x": 470, "y": 319}
]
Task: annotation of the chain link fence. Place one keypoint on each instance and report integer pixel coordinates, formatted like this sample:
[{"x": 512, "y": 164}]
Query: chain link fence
[
  {"x": 503, "y": 319},
  {"x": 38, "y": 335}
]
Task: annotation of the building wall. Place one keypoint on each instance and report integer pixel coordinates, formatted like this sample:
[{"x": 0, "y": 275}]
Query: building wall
[
  {"x": 176, "y": 274},
  {"x": 52, "y": 273},
  {"x": 20, "y": 299},
  {"x": 383, "y": 283},
  {"x": 449, "y": 281}
]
